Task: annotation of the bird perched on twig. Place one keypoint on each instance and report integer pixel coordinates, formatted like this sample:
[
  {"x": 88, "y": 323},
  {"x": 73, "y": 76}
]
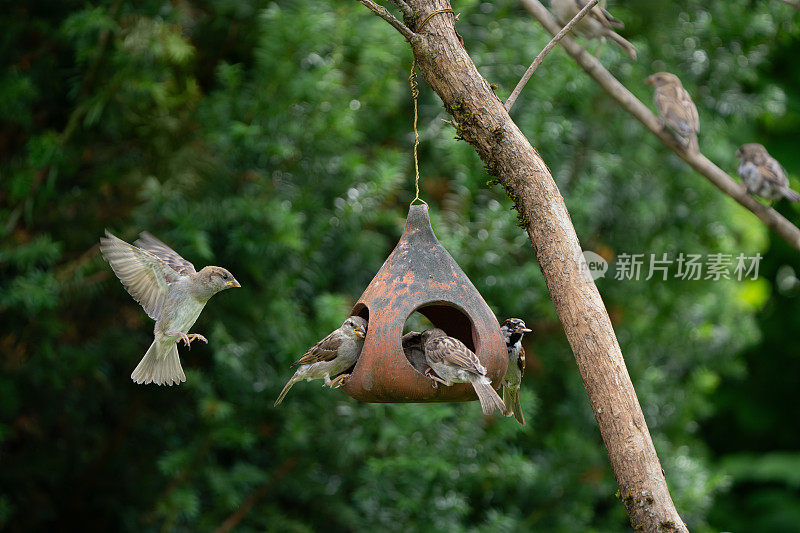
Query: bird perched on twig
[
  {"x": 675, "y": 107},
  {"x": 171, "y": 292},
  {"x": 513, "y": 329},
  {"x": 596, "y": 24},
  {"x": 331, "y": 356},
  {"x": 762, "y": 174},
  {"x": 452, "y": 362}
]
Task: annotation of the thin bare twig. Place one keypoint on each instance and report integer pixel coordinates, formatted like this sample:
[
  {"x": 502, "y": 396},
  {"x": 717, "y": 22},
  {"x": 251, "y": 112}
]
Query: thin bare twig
[
  {"x": 771, "y": 218},
  {"x": 408, "y": 13},
  {"x": 546, "y": 50},
  {"x": 383, "y": 13}
]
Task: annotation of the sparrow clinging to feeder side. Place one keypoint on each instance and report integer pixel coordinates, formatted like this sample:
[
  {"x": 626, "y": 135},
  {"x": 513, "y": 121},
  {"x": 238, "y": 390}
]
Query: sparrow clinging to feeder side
[
  {"x": 596, "y": 24},
  {"x": 762, "y": 174},
  {"x": 675, "y": 107},
  {"x": 513, "y": 329},
  {"x": 453, "y": 362},
  {"x": 331, "y": 356},
  {"x": 171, "y": 292}
]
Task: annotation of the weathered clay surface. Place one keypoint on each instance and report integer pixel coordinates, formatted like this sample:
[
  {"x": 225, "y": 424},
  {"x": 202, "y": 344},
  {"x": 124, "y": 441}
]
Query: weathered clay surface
[{"x": 419, "y": 275}]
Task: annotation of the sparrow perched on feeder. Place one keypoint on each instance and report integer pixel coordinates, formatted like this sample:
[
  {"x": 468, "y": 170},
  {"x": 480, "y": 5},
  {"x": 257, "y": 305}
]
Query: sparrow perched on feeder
[
  {"x": 452, "y": 362},
  {"x": 332, "y": 355},
  {"x": 596, "y": 24},
  {"x": 171, "y": 292},
  {"x": 513, "y": 329},
  {"x": 762, "y": 174},
  {"x": 675, "y": 107}
]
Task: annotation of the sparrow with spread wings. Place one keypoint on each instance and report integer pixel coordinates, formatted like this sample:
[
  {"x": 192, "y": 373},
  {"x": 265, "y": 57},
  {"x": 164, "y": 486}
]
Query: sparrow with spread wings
[{"x": 171, "y": 292}]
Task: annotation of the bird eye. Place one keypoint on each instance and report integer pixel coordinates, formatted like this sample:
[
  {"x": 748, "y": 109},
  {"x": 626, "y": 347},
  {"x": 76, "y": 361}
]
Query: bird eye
[{"x": 224, "y": 276}]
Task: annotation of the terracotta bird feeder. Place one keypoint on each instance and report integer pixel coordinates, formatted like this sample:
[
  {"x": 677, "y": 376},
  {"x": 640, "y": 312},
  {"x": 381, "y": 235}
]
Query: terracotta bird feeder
[{"x": 420, "y": 275}]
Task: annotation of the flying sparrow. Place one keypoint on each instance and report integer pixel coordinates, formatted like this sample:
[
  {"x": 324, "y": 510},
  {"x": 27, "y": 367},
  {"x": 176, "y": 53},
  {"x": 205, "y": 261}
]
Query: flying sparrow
[
  {"x": 675, "y": 107},
  {"x": 762, "y": 174},
  {"x": 513, "y": 329},
  {"x": 332, "y": 355},
  {"x": 596, "y": 24},
  {"x": 171, "y": 292},
  {"x": 452, "y": 362}
]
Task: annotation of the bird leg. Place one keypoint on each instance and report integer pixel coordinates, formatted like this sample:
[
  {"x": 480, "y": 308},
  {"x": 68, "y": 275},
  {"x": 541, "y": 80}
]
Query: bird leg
[
  {"x": 338, "y": 381},
  {"x": 188, "y": 339},
  {"x": 436, "y": 379},
  {"x": 184, "y": 337},
  {"x": 197, "y": 337}
]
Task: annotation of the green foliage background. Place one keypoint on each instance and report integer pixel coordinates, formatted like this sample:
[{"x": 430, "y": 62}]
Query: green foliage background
[{"x": 273, "y": 138}]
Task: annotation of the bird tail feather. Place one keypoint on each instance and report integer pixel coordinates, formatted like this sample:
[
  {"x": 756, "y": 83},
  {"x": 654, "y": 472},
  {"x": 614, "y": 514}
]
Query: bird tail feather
[
  {"x": 790, "y": 195},
  {"x": 285, "y": 390},
  {"x": 160, "y": 365},
  {"x": 620, "y": 41},
  {"x": 511, "y": 399},
  {"x": 488, "y": 397}
]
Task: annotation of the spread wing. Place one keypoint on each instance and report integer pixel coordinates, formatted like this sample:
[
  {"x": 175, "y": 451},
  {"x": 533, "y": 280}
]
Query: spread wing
[
  {"x": 453, "y": 352},
  {"x": 325, "y": 350},
  {"x": 142, "y": 274},
  {"x": 165, "y": 253}
]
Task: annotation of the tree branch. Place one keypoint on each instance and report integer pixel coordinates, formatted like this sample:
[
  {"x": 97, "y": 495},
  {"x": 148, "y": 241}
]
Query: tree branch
[
  {"x": 484, "y": 122},
  {"x": 774, "y": 220},
  {"x": 546, "y": 50},
  {"x": 408, "y": 13},
  {"x": 383, "y": 13}
]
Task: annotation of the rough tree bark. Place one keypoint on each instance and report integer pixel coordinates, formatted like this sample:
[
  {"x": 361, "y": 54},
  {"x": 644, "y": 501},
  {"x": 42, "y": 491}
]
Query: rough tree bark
[{"x": 482, "y": 121}]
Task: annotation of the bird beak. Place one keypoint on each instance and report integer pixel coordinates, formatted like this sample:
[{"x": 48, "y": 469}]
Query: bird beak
[
  {"x": 649, "y": 80},
  {"x": 361, "y": 333},
  {"x": 524, "y": 330},
  {"x": 233, "y": 283}
]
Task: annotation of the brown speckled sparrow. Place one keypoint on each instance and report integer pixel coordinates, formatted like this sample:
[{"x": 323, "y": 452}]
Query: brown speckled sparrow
[
  {"x": 513, "y": 329},
  {"x": 762, "y": 174},
  {"x": 171, "y": 292},
  {"x": 453, "y": 362},
  {"x": 331, "y": 356},
  {"x": 675, "y": 107},
  {"x": 596, "y": 24}
]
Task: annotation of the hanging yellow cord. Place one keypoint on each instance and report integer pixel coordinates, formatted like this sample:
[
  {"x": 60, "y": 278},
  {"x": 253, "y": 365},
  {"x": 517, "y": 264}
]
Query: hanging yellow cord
[{"x": 415, "y": 94}]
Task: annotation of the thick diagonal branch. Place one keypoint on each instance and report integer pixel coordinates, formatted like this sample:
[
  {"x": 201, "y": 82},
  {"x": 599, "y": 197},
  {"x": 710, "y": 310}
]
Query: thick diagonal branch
[
  {"x": 482, "y": 120},
  {"x": 774, "y": 220}
]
